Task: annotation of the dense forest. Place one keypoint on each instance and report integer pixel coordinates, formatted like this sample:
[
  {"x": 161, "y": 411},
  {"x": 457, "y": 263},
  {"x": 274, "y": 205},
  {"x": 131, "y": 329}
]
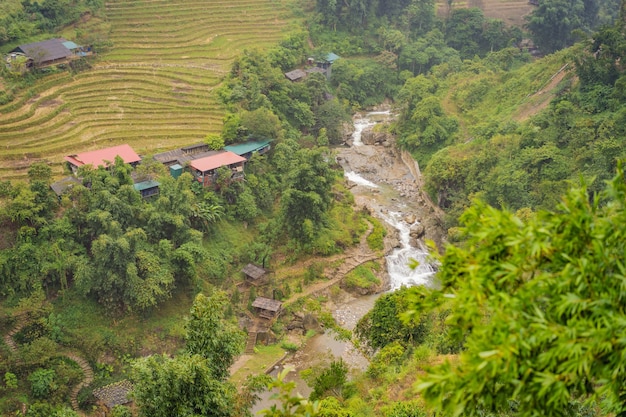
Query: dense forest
[{"x": 528, "y": 318}]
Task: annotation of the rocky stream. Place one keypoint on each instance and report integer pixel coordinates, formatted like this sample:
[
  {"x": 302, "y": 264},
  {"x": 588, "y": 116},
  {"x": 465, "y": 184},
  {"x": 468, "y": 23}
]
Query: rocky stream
[{"x": 386, "y": 182}]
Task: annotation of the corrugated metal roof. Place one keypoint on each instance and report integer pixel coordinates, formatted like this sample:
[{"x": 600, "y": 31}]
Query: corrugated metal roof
[
  {"x": 250, "y": 146},
  {"x": 331, "y": 57},
  {"x": 101, "y": 156},
  {"x": 144, "y": 185},
  {"x": 267, "y": 304},
  {"x": 70, "y": 45},
  {"x": 49, "y": 50},
  {"x": 215, "y": 161}
]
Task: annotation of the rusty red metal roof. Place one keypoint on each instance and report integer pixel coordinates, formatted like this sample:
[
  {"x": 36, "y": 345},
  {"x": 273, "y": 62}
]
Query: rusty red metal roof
[
  {"x": 104, "y": 156},
  {"x": 215, "y": 161}
]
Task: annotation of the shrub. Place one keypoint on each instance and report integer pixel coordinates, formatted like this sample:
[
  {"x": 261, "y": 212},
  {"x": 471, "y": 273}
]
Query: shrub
[
  {"x": 363, "y": 277},
  {"x": 375, "y": 240},
  {"x": 289, "y": 346}
]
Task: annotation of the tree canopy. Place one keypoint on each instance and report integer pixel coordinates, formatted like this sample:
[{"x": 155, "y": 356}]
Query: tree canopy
[{"x": 541, "y": 303}]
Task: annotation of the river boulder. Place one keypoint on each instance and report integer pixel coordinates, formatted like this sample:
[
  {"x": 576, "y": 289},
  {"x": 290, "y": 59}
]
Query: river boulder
[
  {"x": 417, "y": 231},
  {"x": 369, "y": 137}
]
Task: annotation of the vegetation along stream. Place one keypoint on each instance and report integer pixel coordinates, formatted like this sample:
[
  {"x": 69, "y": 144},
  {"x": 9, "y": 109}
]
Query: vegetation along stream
[{"x": 385, "y": 186}]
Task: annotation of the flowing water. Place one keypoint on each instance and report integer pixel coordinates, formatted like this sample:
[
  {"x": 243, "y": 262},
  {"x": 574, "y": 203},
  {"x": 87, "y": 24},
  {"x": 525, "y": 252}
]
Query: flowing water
[{"x": 407, "y": 264}]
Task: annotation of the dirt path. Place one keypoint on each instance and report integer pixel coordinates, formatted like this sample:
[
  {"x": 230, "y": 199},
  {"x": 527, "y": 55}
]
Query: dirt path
[
  {"x": 352, "y": 258},
  {"x": 541, "y": 98}
]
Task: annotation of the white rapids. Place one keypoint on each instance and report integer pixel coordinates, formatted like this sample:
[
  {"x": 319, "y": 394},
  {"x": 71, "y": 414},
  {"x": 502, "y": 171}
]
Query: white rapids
[{"x": 407, "y": 265}]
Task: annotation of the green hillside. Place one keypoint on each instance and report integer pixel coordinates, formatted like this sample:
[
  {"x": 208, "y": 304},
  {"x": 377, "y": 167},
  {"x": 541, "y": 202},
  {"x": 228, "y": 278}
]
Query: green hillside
[{"x": 153, "y": 90}]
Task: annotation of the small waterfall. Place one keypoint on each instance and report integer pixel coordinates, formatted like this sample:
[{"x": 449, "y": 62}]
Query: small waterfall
[
  {"x": 400, "y": 259},
  {"x": 363, "y": 123},
  {"x": 357, "y": 179}
]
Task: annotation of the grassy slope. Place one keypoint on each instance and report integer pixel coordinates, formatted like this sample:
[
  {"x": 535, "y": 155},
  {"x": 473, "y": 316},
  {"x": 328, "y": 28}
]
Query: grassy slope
[
  {"x": 496, "y": 97},
  {"x": 154, "y": 90}
]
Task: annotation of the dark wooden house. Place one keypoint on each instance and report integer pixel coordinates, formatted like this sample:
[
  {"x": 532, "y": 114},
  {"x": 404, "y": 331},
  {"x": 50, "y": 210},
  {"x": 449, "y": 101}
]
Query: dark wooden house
[
  {"x": 267, "y": 308},
  {"x": 255, "y": 275}
]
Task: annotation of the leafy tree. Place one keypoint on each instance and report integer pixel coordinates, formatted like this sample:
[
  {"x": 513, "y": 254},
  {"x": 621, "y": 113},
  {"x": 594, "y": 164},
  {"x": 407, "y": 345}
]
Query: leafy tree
[
  {"x": 553, "y": 21},
  {"x": 306, "y": 201},
  {"x": 42, "y": 382},
  {"x": 382, "y": 325},
  {"x": 290, "y": 405},
  {"x": 180, "y": 387},
  {"x": 211, "y": 336},
  {"x": 261, "y": 123},
  {"x": 541, "y": 303},
  {"x": 332, "y": 381},
  {"x": 215, "y": 142}
]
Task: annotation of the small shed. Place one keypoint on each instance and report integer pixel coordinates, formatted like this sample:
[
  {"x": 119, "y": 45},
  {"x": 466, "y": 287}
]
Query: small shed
[
  {"x": 267, "y": 308},
  {"x": 62, "y": 186},
  {"x": 114, "y": 394},
  {"x": 326, "y": 62},
  {"x": 255, "y": 275},
  {"x": 295, "y": 75},
  {"x": 176, "y": 170},
  {"x": 147, "y": 188}
]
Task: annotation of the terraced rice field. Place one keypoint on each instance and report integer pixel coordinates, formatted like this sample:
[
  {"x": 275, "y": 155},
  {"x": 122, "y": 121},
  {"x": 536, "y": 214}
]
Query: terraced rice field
[
  {"x": 154, "y": 90},
  {"x": 511, "y": 12}
]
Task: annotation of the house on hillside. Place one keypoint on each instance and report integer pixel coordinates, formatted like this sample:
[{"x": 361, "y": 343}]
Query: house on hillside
[
  {"x": 267, "y": 308},
  {"x": 295, "y": 75},
  {"x": 103, "y": 157},
  {"x": 254, "y": 274},
  {"x": 205, "y": 169},
  {"x": 148, "y": 188},
  {"x": 326, "y": 63},
  {"x": 184, "y": 155},
  {"x": 46, "y": 53},
  {"x": 247, "y": 149},
  {"x": 65, "y": 185}
]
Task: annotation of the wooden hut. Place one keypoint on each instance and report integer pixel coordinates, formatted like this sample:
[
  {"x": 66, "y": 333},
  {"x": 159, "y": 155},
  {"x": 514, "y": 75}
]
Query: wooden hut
[
  {"x": 114, "y": 394},
  {"x": 255, "y": 275},
  {"x": 267, "y": 308}
]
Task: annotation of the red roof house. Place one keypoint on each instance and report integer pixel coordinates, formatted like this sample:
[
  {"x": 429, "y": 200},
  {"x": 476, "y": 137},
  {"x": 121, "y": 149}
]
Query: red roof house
[
  {"x": 103, "y": 157},
  {"x": 205, "y": 169}
]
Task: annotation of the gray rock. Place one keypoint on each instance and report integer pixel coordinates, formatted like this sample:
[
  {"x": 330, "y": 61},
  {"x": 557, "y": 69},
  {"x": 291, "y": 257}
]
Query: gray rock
[
  {"x": 417, "y": 231},
  {"x": 310, "y": 323}
]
